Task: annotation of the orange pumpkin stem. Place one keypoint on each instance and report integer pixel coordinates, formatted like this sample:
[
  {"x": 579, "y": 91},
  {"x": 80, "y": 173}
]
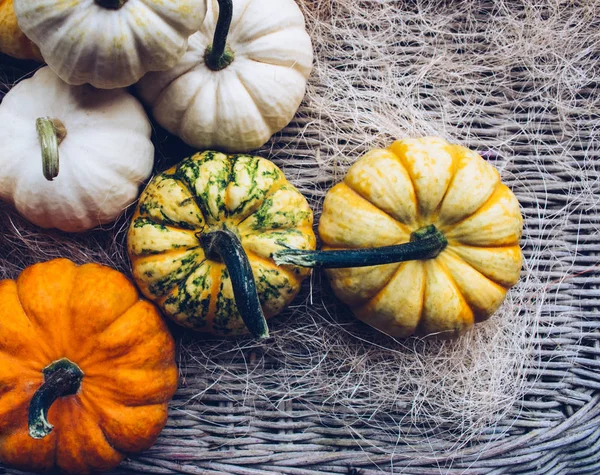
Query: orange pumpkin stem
[{"x": 61, "y": 378}]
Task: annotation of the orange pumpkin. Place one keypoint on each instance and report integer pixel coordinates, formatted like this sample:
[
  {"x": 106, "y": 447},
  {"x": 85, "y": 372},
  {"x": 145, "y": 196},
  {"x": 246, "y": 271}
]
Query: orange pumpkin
[
  {"x": 12, "y": 40},
  {"x": 79, "y": 340}
]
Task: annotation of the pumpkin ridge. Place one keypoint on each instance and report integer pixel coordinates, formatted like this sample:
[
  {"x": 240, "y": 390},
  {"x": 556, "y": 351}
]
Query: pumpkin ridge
[
  {"x": 216, "y": 271},
  {"x": 181, "y": 178},
  {"x": 277, "y": 186},
  {"x": 403, "y": 161},
  {"x": 141, "y": 221},
  {"x": 285, "y": 64},
  {"x": 166, "y": 253},
  {"x": 450, "y": 277},
  {"x": 102, "y": 421},
  {"x": 369, "y": 300},
  {"x": 275, "y": 28},
  {"x": 104, "y": 386},
  {"x": 84, "y": 359},
  {"x": 151, "y": 199},
  {"x": 137, "y": 41},
  {"x": 176, "y": 289},
  {"x": 160, "y": 285},
  {"x": 191, "y": 107},
  {"x": 447, "y": 228},
  {"x": 98, "y": 201},
  {"x": 165, "y": 221},
  {"x": 186, "y": 274},
  {"x": 42, "y": 342},
  {"x": 90, "y": 405},
  {"x": 160, "y": 95},
  {"x": 453, "y": 152},
  {"x": 34, "y": 324},
  {"x": 254, "y": 101},
  {"x": 70, "y": 26},
  {"x": 282, "y": 184},
  {"x": 457, "y": 254},
  {"x": 44, "y": 353},
  {"x": 163, "y": 18},
  {"x": 478, "y": 317},
  {"x": 419, "y": 329},
  {"x": 457, "y": 243},
  {"x": 237, "y": 211},
  {"x": 405, "y": 228},
  {"x": 498, "y": 190}
]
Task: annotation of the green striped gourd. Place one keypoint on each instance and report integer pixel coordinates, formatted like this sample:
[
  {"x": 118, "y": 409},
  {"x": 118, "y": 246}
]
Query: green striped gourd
[{"x": 191, "y": 220}]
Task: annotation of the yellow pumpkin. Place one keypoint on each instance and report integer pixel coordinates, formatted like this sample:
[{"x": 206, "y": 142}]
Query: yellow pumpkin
[
  {"x": 463, "y": 226},
  {"x": 13, "y": 41}
]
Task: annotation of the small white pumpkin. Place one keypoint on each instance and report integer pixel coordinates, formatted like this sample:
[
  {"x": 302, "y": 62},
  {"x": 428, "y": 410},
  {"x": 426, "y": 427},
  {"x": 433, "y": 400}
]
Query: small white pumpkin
[
  {"x": 102, "y": 136},
  {"x": 109, "y": 43},
  {"x": 235, "y": 88}
]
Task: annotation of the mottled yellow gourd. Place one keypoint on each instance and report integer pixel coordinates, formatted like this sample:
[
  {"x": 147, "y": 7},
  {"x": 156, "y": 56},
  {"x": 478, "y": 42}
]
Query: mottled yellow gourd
[
  {"x": 388, "y": 196},
  {"x": 213, "y": 194}
]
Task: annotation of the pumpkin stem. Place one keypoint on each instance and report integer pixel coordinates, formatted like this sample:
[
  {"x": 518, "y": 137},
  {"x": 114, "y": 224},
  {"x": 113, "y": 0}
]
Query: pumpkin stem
[
  {"x": 61, "y": 378},
  {"x": 51, "y": 133},
  {"x": 111, "y": 4},
  {"x": 218, "y": 55},
  {"x": 225, "y": 246},
  {"x": 425, "y": 243}
]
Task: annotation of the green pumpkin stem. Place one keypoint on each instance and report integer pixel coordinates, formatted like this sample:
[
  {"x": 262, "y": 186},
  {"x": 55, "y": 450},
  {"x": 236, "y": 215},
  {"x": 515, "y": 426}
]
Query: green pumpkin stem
[
  {"x": 61, "y": 378},
  {"x": 425, "y": 243},
  {"x": 224, "y": 245},
  {"x": 111, "y": 4},
  {"x": 51, "y": 132},
  {"x": 218, "y": 55}
]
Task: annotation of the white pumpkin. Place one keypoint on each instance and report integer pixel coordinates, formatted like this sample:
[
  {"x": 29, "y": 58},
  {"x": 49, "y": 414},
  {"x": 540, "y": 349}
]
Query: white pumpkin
[
  {"x": 250, "y": 92},
  {"x": 104, "y": 150},
  {"x": 109, "y": 43}
]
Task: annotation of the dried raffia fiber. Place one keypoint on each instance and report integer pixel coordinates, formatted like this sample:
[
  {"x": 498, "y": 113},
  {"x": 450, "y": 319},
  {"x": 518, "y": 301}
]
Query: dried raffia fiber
[{"x": 515, "y": 80}]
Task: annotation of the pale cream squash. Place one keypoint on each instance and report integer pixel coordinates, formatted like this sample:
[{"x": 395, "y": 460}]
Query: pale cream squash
[
  {"x": 72, "y": 157},
  {"x": 109, "y": 43},
  {"x": 235, "y": 87},
  {"x": 450, "y": 219}
]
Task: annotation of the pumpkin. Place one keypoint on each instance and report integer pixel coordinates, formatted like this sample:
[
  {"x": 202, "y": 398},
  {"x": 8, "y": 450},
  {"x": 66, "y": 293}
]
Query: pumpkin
[
  {"x": 233, "y": 89},
  {"x": 202, "y": 237},
  {"x": 109, "y": 43},
  {"x": 460, "y": 226},
  {"x": 80, "y": 353},
  {"x": 103, "y": 138},
  {"x": 12, "y": 40}
]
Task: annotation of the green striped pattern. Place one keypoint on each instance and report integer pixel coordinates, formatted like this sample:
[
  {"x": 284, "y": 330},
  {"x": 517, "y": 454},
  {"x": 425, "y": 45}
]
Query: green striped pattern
[{"x": 247, "y": 195}]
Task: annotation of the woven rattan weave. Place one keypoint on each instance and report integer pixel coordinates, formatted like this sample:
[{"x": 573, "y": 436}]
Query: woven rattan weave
[{"x": 516, "y": 80}]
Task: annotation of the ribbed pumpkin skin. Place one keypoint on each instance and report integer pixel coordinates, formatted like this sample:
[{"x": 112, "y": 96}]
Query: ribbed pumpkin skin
[
  {"x": 387, "y": 195},
  {"x": 13, "y": 41},
  {"x": 240, "y": 107},
  {"x": 105, "y": 157},
  {"x": 93, "y": 316},
  {"x": 83, "y": 42},
  {"x": 247, "y": 195}
]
